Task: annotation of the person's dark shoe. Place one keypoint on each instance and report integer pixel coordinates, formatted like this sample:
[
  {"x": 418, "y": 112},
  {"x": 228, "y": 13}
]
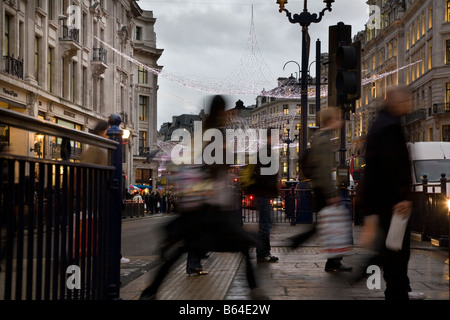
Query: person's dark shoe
[
  {"x": 338, "y": 268},
  {"x": 268, "y": 258},
  {"x": 148, "y": 294},
  {"x": 258, "y": 294},
  {"x": 196, "y": 271}
]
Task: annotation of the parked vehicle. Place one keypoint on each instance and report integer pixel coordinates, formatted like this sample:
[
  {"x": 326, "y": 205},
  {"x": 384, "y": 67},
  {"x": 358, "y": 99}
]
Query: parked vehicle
[
  {"x": 431, "y": 159},
  {"x": 278, "y": 203},
  {"x": 356, "y": 166}
]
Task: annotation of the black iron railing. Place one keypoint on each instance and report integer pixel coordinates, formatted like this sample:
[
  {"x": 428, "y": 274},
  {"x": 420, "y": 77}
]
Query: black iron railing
[
  {"x": 100, "y": 55},
  {"x": 70, "y": 34},
  {"x": 415, "y": 115},
  {"x": 60, "y": 220},
  {"x": 430, "y": 209},
  {"x": 13, "y": 66}
]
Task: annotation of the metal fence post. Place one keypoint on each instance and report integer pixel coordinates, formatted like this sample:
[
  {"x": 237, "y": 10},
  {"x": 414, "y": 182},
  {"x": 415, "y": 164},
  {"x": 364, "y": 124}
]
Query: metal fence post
[
  {"x": 444, "y": 240},
  {"x": 426, "y": 205},
  {"x": 115, "y": 210}
]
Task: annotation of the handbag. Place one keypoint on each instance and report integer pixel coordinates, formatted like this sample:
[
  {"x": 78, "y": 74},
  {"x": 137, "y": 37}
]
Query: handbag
[
  {"x": 396, "y": 233},
  {"x": 194, "y": 188},
  {"x": 335, "y": 230}
]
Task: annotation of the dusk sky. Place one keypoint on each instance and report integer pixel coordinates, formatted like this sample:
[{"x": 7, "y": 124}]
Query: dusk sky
[{"x": 205, "y": 42}]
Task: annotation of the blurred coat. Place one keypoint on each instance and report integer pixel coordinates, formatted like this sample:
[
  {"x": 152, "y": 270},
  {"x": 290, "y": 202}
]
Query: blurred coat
[
  {"x": 387, "y": 179},
  {"x": 322, "y": 156}
]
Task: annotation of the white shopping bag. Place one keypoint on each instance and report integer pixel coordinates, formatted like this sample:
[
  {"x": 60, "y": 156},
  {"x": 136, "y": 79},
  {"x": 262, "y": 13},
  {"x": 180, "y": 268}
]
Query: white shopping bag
[
  {"x": 396, "y": 233},
  {"x": 335, "y": 230}
]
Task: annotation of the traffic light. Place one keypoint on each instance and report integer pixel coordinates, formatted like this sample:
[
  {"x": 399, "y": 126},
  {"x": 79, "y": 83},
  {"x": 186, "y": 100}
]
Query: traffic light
[
  {"x": 338, "y": 34},
  {"x": 348, "y": 77}
]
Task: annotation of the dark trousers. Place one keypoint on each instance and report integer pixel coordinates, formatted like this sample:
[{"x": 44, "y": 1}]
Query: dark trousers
[
  {"x": 194, "y": 260},
  {"x": 207, "y": 230},
  {"x": 265, "y": 226},
  {"x": 395, "y": 271}
]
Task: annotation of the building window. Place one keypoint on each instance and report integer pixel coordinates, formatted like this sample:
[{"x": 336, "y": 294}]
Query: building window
[
  {"x": 143, "y": 175},
  {"x": 430, "y": 134},
  {"x": 447, "y": 93},
  {"x": 138, "y": 33},
  {"x": 63, "y": 78},
  {"x": 423, "y": 61},
  {"x": 446, "y": 133},
  {"x": 85, "y": 29},
  {"x": 36, "y": 58},
  {"x": 430, "y": 18},
  {"x": 448, "y": 10},
  {"x": 423, "y": 23},
  {"x": 413, "y": 35},
  {"x": 299, "y": 110},
  {"x": 142, "y": 141},
  {"x": 286, "y": 109},
  {"x": 407, "y": 40},
  {"x": 418, "y": 29},
  {"x": 430, "y": 52},
  {"x": 142, "y": 75},
  {"x": 6, "y": 39},
  {"x": 447, "y": 51},
  {"x": 394, "y": 47},
  {"x": 85, "y": 82},
  {"x": 417, "y": 68},
  {"x": 312, "y": 109},
  {"x": 74, "y": 81},
  {"x": 50, "y": 70},
  {"x": 50, "y": 4},
  {"x": 143, "y": 108}
]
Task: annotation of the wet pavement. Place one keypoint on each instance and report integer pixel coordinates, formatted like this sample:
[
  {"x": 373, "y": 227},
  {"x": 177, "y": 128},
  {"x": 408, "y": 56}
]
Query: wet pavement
[{"x": 298, "y": 275}]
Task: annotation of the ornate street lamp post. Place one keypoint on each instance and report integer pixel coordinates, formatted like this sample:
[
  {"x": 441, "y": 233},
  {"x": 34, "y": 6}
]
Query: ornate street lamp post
[
  {"x": 304, "y": 19},
  {"x": 304, "y": 212}
]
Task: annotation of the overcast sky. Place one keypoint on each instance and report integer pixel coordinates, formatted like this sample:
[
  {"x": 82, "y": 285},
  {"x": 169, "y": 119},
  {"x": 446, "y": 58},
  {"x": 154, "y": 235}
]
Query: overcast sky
[{"x": 206, "y": 39}]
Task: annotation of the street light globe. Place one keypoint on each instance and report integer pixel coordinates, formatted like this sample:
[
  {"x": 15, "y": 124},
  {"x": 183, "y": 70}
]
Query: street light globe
[{"x": 126, "y": 134}]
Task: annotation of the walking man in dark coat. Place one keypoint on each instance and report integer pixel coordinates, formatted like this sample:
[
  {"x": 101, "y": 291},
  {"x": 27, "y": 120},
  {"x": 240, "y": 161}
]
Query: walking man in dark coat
[{"x": 386, "y": 187}]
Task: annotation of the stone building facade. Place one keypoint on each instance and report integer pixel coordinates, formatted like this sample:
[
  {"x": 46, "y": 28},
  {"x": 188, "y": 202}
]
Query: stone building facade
[
  {"x": 409, "y": 44},
  {"x": 67, "y": 62}
]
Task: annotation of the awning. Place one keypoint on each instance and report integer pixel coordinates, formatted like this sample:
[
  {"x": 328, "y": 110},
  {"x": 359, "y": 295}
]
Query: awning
[{"x": 141, "y": 186}]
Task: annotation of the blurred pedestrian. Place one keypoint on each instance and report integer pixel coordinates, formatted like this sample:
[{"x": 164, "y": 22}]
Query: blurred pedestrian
[
  {"x": 206, "y": 221},
  {"x": 93, "y": 154},
  {"x": 99, "y": 156},
  {"x": 265, "y": 189},
  {"x": 386, "y": 189},
  {"x": 322, "y": 164},
  {"x": 147, "y": 201},
  {"x": 323, "y": 156},
  {"x": 137, "y": 197},
  {"x": 157, "y": 202}
]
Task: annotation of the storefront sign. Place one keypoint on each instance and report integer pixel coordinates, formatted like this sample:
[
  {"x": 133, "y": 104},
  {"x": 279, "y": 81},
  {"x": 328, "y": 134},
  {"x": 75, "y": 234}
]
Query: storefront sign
[{"x": 10, "y": 92}]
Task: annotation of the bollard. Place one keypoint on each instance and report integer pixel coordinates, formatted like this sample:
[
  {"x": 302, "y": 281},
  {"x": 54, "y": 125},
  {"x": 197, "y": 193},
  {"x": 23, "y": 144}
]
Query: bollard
[
  {"x": 304, "y": 204},
  {"x": 115, "y": 210},
  {"x": 290, "y": 201}
]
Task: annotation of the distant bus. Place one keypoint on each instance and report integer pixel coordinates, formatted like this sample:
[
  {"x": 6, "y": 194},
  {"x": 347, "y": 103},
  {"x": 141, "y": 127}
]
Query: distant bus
[{"x": 357, "y": 164}]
